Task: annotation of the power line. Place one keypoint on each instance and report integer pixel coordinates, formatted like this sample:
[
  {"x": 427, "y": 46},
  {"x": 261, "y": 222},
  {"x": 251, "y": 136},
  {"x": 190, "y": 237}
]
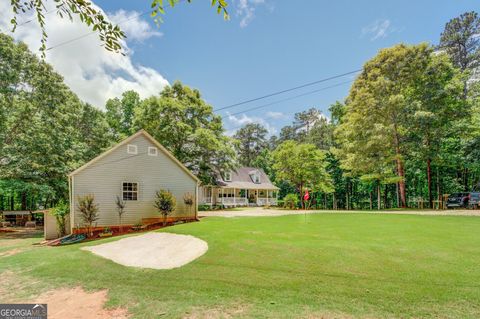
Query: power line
[
  {"x": 93, "y": 32},
  {"x": 288, "y": 90},
  {"x": 293, "y": 97}
]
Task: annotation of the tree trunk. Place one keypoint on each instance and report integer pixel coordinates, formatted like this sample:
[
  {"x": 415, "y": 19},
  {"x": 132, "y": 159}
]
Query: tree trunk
[
  {"x": 466, "y": 179},
  {"x": 385, "y": 197},
  {"x": 401, "y": 184},
  {"x": 334, "y": 203},
  {"x": 24, "y": 201},
  {"x": 397, "y": 191},
  {"x": 379, "y": 196},
  {"x": 429, "y": 181},
  {"x": 371, "y": 204},
  {"x": 348, "y": 203},
  {"x": 12, "y": 202},
  {"x": 164, "y": 220},
  {"x": 400, "y": 171}
]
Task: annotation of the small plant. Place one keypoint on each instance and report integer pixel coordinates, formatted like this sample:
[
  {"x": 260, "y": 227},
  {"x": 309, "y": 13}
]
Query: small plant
[
  {"x": 89, "y": 211},
  {"x": 188, "y": 200},
  {"x": 137, "y": 226},
  {"x": 120, "y": 209},
  {"x": 107, "y": 232},
  {"x": 61, "y": 211},
  {"x": 290, "y": 201},
  {"x": 165, "y": 203}
]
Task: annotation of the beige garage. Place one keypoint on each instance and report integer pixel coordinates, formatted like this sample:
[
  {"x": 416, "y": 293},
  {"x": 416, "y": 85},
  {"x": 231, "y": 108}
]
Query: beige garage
[{"x": 135, "y": 169}]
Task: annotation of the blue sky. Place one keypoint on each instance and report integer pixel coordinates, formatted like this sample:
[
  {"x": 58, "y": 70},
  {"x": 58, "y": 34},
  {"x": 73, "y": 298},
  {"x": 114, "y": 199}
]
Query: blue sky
[{"x": 267, "y": 46}]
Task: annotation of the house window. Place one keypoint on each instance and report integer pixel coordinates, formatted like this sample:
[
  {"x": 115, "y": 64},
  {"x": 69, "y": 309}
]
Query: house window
[
  {"x": 255, "y": 177},
  {"x": 228, "y": 176},
  {"x": 132, "y": 149},
  {"x": 129, "y": 191},
  {"x": 152, "y": 151}
]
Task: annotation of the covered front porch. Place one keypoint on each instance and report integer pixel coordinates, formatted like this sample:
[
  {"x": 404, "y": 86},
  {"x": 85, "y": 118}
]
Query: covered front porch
[{"x": 233, "y": 197}]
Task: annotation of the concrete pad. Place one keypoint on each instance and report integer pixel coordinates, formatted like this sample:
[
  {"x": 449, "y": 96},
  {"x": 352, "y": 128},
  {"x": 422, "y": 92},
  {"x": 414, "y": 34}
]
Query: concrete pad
[{"x": 152, "y": 250}]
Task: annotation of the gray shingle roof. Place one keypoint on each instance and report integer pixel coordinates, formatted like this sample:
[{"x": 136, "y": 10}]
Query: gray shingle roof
[{"x": 241, "y": 179}]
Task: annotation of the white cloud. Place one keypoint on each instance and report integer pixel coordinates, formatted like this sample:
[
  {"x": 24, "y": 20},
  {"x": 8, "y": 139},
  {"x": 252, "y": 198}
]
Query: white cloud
[
  {"x": 92, "y": 72},
  {"x": 275, "y": 115},
  {"x": 378, "y": 29},
  {"x": 134, "y": 27},
  {"x": 245, "y": 9},
  {"x": 239, "y": 121}
]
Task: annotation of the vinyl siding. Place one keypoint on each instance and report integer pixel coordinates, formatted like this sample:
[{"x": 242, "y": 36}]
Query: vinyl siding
[{"x": 104, "y": 180}]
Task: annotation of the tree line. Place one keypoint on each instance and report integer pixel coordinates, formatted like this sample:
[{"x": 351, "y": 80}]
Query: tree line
[{"x": 408, "y": 129}]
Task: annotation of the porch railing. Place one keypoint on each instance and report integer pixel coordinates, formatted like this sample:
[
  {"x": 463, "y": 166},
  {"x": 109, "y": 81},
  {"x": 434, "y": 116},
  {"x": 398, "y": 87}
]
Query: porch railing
[
  {"x": 266, "y": 201},
  {"x": 234, "y": 201}
]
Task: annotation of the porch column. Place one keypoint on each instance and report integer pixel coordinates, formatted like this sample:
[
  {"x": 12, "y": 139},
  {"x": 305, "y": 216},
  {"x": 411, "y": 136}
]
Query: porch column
[
  {"x": 234, "y": 197},
  {"x": 211, "y": 195},
  {"x": 267, "y": 197}
]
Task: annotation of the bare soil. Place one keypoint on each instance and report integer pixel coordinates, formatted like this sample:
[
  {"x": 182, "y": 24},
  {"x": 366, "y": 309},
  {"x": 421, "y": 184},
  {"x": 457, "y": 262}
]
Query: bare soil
[{"x": 76, "y": 303}]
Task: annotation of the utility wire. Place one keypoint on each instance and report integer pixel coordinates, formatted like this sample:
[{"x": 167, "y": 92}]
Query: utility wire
[
  {"x": 93, "y": 32},
  {"x": 292, "y": 98},
  {"x": 288, "y": 90}
]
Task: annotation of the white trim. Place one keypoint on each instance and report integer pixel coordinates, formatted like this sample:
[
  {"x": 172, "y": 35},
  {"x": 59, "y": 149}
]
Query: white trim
[
  {"x": 152, "y": 151},
  {"x": 137, "y": 191},
  {"x": 72, "y": 204},
  {"x": 132, "y": 149}
]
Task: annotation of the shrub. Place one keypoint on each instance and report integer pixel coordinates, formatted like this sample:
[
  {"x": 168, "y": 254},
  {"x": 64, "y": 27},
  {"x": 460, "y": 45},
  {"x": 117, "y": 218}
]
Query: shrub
[
  {"x": 120, "y": 203},
  {"x": 89, "y": 211},
  {"x": 165, "y": 203},
  {"x": 188, "y": 200},
  {"x": 203, "y": 207},
  {"x": 61, "y": 211},
  {"x": 290, "y": 201}
]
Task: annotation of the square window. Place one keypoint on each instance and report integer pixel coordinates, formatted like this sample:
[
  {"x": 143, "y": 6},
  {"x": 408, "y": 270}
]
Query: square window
[
  {"x": 152, "y": 151},
  {"x": 228, "y": 176},
  {"x": 130, "y": 191},
  {"x": 132, "y": 149}
]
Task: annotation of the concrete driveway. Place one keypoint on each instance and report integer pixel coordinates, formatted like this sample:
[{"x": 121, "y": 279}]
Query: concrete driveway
[{"x": 260, "y": 211}]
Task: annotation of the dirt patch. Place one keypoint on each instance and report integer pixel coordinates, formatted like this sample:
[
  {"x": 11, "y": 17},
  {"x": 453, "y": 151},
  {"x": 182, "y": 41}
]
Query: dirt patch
[
  {"x": 152, "y": 250},
  {"x": 76, "y": 303},
  {"x": 11, "y": 252}
]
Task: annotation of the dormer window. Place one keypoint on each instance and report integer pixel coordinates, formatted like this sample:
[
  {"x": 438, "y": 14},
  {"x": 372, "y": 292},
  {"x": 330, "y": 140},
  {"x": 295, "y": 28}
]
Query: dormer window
[
  {"x": 228, "y": 176},
  {"x": 152, "y": 151},
  {"x": 132, "y": 149},
  {"x": 255, "y": 176}
]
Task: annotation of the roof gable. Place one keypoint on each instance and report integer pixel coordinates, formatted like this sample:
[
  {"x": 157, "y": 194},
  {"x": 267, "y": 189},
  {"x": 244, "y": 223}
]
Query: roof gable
[{"x": 130, "y": 139}]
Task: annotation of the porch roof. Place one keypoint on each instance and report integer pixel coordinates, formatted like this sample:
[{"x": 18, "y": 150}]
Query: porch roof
[{"x": 247, "y": 185}]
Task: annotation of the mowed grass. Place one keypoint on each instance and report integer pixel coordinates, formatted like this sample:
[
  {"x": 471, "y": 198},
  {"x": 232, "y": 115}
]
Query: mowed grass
[{"x": 331, "y": 265}]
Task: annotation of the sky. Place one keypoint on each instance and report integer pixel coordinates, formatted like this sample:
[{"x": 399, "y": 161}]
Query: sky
[{"x": 266, "y": 46}]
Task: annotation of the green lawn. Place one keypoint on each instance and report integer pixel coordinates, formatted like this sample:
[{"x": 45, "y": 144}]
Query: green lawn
[{"x": 332, "y": 265}]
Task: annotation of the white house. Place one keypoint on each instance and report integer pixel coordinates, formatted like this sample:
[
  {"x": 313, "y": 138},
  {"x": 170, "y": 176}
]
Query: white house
[
  {"x": 246, "y": 186},
  {"x": 134, "y": 169}
]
